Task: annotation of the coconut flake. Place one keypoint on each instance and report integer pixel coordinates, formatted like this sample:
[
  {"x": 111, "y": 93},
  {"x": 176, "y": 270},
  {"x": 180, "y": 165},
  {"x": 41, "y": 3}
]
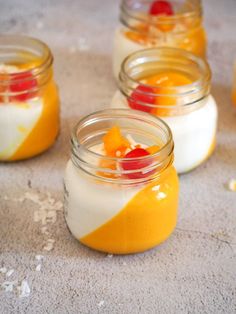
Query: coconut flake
[
  {"x": 24, "y": 289},
  {"x": 39, "y": 257},
  {"x": 101, "y": 303},
  {"x": 109, "y": 255},
  {"x": 10, "y": 272},
  {"x": 38, "y": 267},
  {"x": 3, "y": 270}
]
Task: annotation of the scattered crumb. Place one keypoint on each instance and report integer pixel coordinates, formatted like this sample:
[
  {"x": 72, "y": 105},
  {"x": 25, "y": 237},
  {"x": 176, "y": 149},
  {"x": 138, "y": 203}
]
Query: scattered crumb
[
  {"x": 101, "y": 303},
  {"x": 109, "y": 255},
  {"x": 39, "y": 257},
  {"x": 10, "y": 272},
  {"x": 44, "y": 230},
  {"x": 3, "y": 270},
  {"x": 49, "y": 246},
  {"x": 38, "y": 267},
  {"x": 8, "y": 285},
  {"x": 232, "y": 185},
  {"x": 24, "y": 289}
]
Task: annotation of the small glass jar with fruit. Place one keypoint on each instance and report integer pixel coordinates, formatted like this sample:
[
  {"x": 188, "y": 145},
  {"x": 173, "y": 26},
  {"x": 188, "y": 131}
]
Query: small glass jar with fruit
[
  {"x": 174, "y": 85},
  {"x": 155, "y": 23},
  {"x": 121, "y": 189},
  {"x": 29, "y": 102}
]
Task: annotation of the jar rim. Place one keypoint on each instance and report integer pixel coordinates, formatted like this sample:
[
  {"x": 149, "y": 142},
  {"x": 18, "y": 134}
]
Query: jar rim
[
  {"x": 12, "y": 41},
  {"x": 127, "y": 13},
  {"x": 165, "y": 151},
  {"x": 158, "y": 54}
]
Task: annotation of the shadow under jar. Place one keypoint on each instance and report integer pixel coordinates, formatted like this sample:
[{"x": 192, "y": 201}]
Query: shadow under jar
[
  {"x": 121, "y": 210},
  {"x": 174, "y": 85},
  {"x": 29, "y": 101},
  {"x": 145, "y": 24}
]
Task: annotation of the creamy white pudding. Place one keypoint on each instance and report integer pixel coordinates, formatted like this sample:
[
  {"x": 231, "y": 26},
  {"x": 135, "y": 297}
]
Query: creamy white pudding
[{"x": 17, "y": 120}]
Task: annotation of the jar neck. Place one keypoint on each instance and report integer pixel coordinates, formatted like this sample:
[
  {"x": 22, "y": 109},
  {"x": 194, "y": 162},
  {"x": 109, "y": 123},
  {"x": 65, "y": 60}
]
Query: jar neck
[
  {"x": 150, "y": 62},
  {"x": 134, "y": 14},
  {"x": 23, "y": 60},
  {"x": 151, "y": 130}
]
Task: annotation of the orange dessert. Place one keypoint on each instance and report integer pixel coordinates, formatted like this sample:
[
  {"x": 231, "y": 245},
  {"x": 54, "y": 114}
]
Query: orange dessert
[
  {"x": 134, "y": 208},
  {"x": 29, "y": 103}
]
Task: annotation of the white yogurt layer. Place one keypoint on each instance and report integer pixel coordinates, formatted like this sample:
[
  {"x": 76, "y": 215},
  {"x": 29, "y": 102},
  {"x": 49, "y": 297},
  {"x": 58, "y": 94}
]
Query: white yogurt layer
[
  {"x": 90, "y": 203},
  {"x": 122, "y": 47},
  {"x": 17, "y": 119},
  {"x": 193, "y": 133}
]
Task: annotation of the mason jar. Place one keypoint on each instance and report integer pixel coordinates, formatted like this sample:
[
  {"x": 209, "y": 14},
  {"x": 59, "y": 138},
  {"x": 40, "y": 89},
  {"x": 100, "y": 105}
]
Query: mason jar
[
  {"x": 119, "y": 211},
  {"x": 174, "y": 85},
  {"x": 142, "y": 25},
  {"x": 29, "y": 102}
]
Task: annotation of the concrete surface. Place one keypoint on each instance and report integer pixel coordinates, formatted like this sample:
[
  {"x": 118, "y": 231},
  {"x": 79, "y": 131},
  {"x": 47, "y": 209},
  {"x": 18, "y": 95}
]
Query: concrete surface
[{"x": 195, "y": 270}]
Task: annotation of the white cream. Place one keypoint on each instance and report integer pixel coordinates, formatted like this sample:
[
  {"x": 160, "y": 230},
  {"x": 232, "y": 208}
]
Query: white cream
[
  {"x": 17, "y": 119},
  {"x": 90, "y": 203},
  {"x": 123, "y": 47},
  {"x": 193, "y": 133}
]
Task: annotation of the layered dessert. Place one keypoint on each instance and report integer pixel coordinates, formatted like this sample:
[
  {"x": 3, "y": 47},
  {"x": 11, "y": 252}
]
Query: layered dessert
[
  {"x": 129, "y": 204},
  {"x": 29, "y": 107},
  {"x": 178, "y": 94},
  {"x": 147, "y": 24}
]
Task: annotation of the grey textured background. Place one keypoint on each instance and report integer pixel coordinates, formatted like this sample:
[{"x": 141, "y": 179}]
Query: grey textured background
[{"x": 195, "y": 270}]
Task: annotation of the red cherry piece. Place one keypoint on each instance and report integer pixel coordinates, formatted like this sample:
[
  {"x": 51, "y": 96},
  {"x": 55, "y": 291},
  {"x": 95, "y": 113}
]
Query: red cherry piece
[
  {"x": 137, "y": 164},
  {"x": 161, "y": 8},
  {"x": 139, "y": 95},
  {"x": 25, "y": 82}
]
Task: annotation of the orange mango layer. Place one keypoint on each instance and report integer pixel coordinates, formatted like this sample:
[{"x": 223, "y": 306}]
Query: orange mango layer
[
  {"x": 167, "y": 79},
  {"x": 146, "y": 221},
  {"x": 46, "y": 129},
  {"x": 193, "y": 41}
]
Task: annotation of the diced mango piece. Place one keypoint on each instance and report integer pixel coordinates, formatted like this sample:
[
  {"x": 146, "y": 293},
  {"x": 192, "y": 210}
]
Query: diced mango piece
[
  {"x": 115, "y": 144},
  {"x": 153, "y": 149}
]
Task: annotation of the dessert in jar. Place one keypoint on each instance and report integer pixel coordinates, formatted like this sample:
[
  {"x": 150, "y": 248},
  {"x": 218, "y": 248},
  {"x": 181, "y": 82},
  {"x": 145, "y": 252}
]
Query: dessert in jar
[
  {"x": 151, "y": 23},
  {"x": 121, "y": 189},
  {"x": 174, "y": 85},
  {"x": 29, "y": 103}
]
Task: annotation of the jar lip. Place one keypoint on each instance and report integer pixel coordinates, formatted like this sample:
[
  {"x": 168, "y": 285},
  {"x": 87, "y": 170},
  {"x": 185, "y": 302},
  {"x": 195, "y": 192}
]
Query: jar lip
[
  {"x": 156, "y": 55},
  {"x": 194, "y": 13},
  {"x": 167, "y": 50},
  {"x": 44, "y": 65},
  {"x": 124, "y": 112}
]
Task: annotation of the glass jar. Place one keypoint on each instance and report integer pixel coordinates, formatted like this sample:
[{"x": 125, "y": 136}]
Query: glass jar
[
  {"x": 116, "y": 211},
  {"x": 188, "y": 109},
  {"x": 29, "y": 102},
  {"x": 139, "y": 29}
]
